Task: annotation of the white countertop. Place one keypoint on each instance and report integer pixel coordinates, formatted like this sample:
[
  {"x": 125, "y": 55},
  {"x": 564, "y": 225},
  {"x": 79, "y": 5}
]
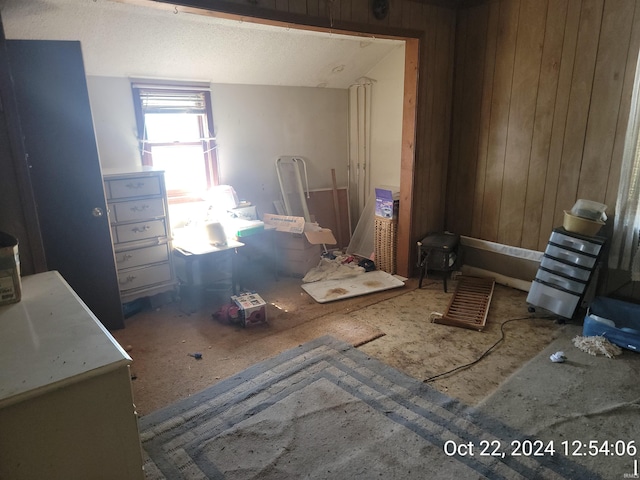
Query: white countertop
[{"x": 51, "y": 339}]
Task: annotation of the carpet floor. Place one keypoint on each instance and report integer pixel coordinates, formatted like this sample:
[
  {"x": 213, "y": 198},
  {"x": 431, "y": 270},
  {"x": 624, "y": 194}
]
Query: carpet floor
[
  {"x": 163, "y": 340},
  {"x": 325, "y": 410},
  {"x": 587, "y": 406},
  {"x": 391, "y": 326},
  {"x": 503, "y": 371}
]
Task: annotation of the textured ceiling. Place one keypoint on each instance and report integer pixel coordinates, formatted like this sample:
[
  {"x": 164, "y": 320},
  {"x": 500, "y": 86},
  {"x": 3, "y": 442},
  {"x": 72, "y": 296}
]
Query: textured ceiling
[{"x": 135, "y": 41}]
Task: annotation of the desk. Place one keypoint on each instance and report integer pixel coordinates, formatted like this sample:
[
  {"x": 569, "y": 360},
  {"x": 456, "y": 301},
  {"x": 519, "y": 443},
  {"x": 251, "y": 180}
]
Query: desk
[{"x": 201, "y": 266}]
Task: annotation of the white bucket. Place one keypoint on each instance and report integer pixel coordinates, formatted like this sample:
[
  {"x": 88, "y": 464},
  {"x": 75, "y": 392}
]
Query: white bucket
[{"x": 216, "y": 234}]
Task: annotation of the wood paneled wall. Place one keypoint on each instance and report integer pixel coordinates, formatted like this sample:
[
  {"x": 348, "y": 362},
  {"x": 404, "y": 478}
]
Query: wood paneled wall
[
  {"x": 18, "y": 215},
  {"x": 430, "y": 27},
  {"x": 541, "y": 102}
]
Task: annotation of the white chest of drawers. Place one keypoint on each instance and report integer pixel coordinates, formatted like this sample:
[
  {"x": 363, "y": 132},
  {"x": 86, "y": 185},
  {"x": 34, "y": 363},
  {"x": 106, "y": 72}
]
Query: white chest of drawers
[{"x": 139, "y": 218}]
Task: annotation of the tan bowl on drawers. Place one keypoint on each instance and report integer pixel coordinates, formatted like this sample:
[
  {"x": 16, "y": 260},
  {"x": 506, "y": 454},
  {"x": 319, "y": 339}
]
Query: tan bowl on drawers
[{"x": 580, "y": 225}]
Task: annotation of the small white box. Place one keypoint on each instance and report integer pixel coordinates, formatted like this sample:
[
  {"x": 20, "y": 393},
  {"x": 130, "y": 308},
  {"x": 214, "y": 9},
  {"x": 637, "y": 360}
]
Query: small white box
[
  {"x": 252, "y": 309},
  {"x": 244, "y": 212}
]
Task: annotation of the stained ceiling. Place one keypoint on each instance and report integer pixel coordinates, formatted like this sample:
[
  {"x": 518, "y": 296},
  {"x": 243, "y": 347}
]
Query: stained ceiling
[{"x": 128, "y": 40}]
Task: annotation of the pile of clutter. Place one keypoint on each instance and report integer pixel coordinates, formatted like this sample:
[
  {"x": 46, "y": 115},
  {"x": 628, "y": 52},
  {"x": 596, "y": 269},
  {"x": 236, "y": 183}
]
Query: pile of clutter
[
  {"x": 596, "y": 345},
  {"x": 336, "y": 265}
]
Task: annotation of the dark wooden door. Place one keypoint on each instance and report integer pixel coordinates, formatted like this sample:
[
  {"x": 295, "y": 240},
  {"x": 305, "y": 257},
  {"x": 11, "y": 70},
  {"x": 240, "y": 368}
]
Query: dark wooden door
[{"x": 62, "y": 156}]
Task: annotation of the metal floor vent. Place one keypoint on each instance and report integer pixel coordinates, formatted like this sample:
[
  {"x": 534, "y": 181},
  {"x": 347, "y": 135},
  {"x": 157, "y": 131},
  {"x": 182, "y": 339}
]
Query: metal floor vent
[{"x": 469, "y": 305}]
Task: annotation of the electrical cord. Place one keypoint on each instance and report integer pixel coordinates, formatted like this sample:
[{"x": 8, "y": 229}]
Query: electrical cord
[{"x": 486, "y": 353}]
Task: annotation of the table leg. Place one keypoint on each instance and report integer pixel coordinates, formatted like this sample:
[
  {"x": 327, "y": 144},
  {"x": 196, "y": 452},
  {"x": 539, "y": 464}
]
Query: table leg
[
  {"x": 235, "y": 280},
  {"x": 445, "y": 269},
  {"x": 274, "y": 247}
]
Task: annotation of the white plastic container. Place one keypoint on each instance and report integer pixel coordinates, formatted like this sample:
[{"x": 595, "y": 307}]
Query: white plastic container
[
  {"x": 565, "y": 269},
  {"x": 579, "y": 259},
  {"x": 216, "y": 234},
  {"x": 577, "y": 244},
  {"x": 552, "y": 299},
  {"x": 560, "y": 282},
  {"x": 590, "y": 210}
]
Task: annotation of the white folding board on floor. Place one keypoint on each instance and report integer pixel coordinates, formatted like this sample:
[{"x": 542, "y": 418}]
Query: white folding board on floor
[{"x": 369, "y": 282}]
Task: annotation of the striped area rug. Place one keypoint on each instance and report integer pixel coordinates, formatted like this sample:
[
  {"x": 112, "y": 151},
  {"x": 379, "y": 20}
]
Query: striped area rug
[{"x": 325, "y": 410}]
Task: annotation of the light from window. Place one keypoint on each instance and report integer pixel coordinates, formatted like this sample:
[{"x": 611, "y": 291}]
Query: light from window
[
  {"x": 183, "y": 166},
  {"x": 174, "y": 125}
]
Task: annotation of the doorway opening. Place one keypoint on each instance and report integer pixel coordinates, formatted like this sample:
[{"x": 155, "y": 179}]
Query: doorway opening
[{"x": 409, "y": 106}]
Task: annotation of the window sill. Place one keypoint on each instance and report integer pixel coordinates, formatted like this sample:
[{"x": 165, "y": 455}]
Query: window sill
[{"x": 178, "y": 199}]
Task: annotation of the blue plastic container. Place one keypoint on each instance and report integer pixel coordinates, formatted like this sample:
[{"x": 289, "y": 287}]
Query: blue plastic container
[{"x": 616, "y": 320}]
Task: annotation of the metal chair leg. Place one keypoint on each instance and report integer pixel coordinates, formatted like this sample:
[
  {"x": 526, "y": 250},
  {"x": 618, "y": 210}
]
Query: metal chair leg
[{"x": 424, "y": 257}]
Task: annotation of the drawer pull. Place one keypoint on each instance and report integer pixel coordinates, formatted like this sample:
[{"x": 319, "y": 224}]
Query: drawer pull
[
  {"x": 560, "y": 283},
  {"x": 566, "y": 255},
  {"x": 129, "y": 279},
  {"x": 141, "y": 208},
  {"x": 126, "y": 256},
  {"x": 141, "y": 229},
  {"x": 572, "y": 243},
  {"x": 135, "y": 186}
]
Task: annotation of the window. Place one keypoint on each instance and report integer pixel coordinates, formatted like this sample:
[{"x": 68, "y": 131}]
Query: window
[
  {"x": 624, "y": 251},
  {"x": 175, "y": 125}
]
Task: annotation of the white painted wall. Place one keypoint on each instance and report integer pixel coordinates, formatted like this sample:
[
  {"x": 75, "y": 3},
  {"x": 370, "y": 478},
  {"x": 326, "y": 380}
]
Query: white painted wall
[
  {"x": 254, "y": 125},
  {"x": 114, "y": 121},
  {"x": 386, "y": 118},
  {"x": 257, "y": 124}
]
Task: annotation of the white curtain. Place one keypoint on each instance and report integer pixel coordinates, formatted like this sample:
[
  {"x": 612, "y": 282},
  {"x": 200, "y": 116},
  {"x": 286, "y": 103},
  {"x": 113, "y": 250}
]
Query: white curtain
[
  {"x": 624, "y": 254},
  {"x": 359, "y": 168}
]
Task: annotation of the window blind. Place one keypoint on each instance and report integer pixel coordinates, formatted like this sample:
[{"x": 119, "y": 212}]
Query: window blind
[{"x": 171, "y": 101}]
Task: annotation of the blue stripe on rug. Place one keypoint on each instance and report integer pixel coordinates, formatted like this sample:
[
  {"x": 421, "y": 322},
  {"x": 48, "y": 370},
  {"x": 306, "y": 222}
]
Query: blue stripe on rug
[{"x": 226, "y": 431}]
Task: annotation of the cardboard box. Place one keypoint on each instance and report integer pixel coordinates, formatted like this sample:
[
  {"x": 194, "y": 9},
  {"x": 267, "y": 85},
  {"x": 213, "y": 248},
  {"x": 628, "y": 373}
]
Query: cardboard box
[
  {"x": 387, "y": 203},
  {"x": 284, "y": 223},
  {"x": 315, "y": 234},
  {"x": 298, "y": 268},
  {"x": 295, "y": 254},
  {"x": 252, "y": 309},
  {"x": 291, "y": 241},
  {"x": 298, "y": 243}
]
